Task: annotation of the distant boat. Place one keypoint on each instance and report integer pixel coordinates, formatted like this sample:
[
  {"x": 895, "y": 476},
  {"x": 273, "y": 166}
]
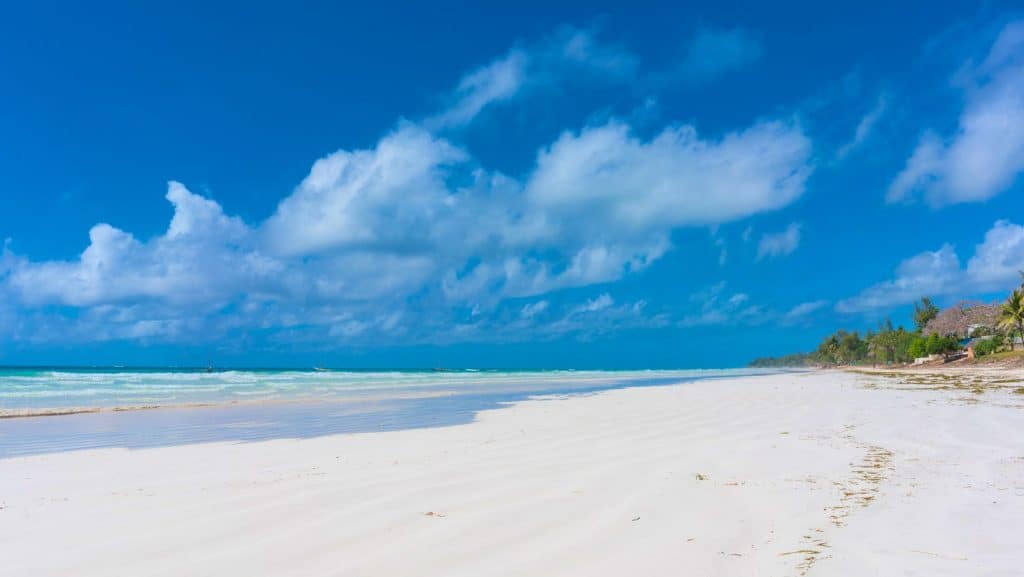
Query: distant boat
[{"x": 320, "y": 369}]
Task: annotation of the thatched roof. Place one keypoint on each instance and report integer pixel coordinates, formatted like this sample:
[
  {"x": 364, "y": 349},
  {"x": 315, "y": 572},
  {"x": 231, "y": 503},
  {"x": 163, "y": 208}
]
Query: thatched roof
[{"x": 959, "y": 318}]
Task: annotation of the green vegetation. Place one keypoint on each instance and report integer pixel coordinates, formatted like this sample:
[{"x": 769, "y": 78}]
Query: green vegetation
[
  {"x": 794, "y": 360},
  {"x": 884, "y": 345},
  {"x": 989, "y": 346},
  {"x": 1006, "y": 356},
  {"x": 887, "y": 344},
  {"x": 924, "y": 312},
  {"x": 1011, "y": 314},
  {"x": 936, "y": 333}
]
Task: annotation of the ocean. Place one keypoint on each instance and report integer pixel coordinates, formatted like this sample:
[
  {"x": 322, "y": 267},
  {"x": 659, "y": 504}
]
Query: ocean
[{"x": 134, "y": 408}]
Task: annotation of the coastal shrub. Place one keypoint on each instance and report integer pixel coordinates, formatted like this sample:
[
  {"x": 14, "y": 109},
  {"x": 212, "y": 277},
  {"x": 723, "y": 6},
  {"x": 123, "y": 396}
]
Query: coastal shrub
[
  {"x": 988, "y": 346},
  {"x": 936, "y": 332},
  {"x": 793, "y": 360},
  {"x": 937, "y": 345},
  {"x": 917, "y": 348}
]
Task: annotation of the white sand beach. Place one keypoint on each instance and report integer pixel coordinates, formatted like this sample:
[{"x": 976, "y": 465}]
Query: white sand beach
[{"x": 824, "y": 473}]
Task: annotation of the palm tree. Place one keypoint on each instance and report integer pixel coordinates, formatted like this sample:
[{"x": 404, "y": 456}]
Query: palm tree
[{"x": 1011, "y": 314}]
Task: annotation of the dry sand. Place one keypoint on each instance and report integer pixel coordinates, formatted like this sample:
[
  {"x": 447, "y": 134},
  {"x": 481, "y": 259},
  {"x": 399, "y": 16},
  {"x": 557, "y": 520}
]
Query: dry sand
[{"x": 825, "y": 473}]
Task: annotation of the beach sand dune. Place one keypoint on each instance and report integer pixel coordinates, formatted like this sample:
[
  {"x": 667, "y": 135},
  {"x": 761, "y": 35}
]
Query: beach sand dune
[{"x": 824, "y": 473}]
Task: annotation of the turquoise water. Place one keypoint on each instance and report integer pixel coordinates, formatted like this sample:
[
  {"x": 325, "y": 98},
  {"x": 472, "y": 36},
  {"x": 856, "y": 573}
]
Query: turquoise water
[
  {"x": 249, "y": 405},
  {"x": 54, "y": 389}
]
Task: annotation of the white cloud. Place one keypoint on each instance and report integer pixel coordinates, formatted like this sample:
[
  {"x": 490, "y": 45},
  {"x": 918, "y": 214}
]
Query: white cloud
[
  {"x": 579, "y": 47},
  {"x": 993, "y": 267},
  {"x": 349, "y": 328},
  {"x": 607, "y": 201},
  {"x": 539, "y": 321},
  {"x": 204, "y": 256},
  {"x": 984, "y": 156},
  {"x": 533, "y": 309},
  {"x": 928, "y": 273},
  {"x": 718, "y": 307},
  {"x": 415, "y": 214},
  {"x": 495, "y": 82},
  {"x": 780, "y": 243},
  {"x": 801, "y": 311},
  {"x": 864, "y": 127},
  {"x": 599, "y": 316},
  {"x": 999, "y": 259},
  {"x": 597, "y": 303},
  {"x": 674, "y": 179},
  {"x": 528, "y": 67},
  {"x": 370, "y": 199},
  {"x": 416, "y": 217}
]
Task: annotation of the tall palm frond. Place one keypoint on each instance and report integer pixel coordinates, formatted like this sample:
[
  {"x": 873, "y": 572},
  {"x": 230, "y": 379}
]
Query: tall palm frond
[{"x": 1011, "y": 314}]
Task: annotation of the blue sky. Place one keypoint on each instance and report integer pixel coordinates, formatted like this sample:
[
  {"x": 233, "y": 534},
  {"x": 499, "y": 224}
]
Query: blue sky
[{"x": 542, "y": 185}]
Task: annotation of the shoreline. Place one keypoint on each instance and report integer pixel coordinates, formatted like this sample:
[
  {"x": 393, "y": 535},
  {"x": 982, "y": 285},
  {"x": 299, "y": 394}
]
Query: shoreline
[
  {"x": 67, "y": 411},
  {"x": 822, "y": 473},
  {"x": 514, "y": 388},
  {"x": 257, "y": 420},
  {"x": 182, "y": 390}
]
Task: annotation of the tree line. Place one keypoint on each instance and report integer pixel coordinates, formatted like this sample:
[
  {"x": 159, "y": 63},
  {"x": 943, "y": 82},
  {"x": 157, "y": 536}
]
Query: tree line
[{"x": 992, "y": 327}]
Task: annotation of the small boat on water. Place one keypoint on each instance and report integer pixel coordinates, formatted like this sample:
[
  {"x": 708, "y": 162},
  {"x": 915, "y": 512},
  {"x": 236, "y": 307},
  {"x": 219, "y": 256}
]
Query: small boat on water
[{"x": 320, "y": 369}]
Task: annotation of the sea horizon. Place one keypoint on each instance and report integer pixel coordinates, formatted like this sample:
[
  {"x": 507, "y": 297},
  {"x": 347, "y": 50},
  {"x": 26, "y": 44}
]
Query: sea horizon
[{"x": 53, "y": 409}]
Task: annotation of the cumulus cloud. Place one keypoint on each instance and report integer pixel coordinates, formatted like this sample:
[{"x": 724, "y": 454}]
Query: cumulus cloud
[
  {"x": 399, "y": 237},
  {"x": 204, "y": 256},
  {"x": 606, "y": 201},
  {"x": 416, "y": 214},
  {"x": 394, "y": 194},
  {"x": 780, "y": 243},
  {"x": 999, "y": 259},
  {"x": 985, "y": 154},
  {"x": 993, "y": 267},
  {"x": 676, "y": 178},
  {"x": 927, "y": 273}
]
